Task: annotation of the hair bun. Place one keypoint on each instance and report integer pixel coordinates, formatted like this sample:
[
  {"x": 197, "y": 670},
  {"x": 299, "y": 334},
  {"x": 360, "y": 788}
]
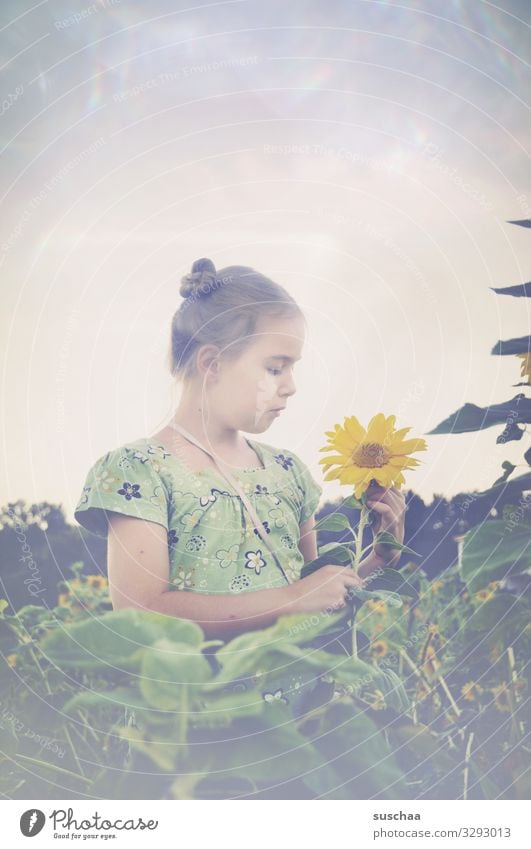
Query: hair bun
[{"x": 200, "y": 278}]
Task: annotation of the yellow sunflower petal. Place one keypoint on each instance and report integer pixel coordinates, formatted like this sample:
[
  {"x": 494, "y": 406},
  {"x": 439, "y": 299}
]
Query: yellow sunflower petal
[{"x": 408, "y": 445}]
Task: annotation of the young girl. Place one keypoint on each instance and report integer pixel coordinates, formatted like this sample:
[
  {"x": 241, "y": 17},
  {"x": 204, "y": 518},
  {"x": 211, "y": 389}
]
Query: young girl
[{"x": 181, "y": 540}]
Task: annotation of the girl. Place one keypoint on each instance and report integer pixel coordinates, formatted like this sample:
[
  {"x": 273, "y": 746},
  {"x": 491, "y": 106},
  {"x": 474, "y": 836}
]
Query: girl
[{"x": 181, "y": 539}]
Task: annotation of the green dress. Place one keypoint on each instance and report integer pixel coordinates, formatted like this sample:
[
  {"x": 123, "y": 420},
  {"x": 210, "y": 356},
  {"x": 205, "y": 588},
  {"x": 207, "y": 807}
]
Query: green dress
[{"x": 212, "y": 544}]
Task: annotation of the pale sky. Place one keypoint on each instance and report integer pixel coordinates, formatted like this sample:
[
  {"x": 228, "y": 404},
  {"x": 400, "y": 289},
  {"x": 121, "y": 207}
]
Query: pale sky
[{"x": 366, "y": 155}]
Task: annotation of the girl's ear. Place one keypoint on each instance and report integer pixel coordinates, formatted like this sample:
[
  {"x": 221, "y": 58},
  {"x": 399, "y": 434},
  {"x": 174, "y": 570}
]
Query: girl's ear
[{"x": 208, "y": 360}]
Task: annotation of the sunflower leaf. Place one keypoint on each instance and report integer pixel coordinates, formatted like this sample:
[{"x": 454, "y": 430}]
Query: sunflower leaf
[
  {"x": 392, "y": 579},
  {"x": 392, "y": 599},
  {"x": 333, "y": 522},
  {"x": 385, "y": 538},
  {"x": 333, "y": 553}
]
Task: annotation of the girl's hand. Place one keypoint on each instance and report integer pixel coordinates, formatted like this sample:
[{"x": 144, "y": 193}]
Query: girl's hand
[
  {"x": 325, "y": 589},
  {"x": 388, "y": 505}
]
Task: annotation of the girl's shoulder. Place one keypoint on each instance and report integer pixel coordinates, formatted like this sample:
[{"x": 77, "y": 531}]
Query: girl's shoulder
[{"x": 128, "y": 479}]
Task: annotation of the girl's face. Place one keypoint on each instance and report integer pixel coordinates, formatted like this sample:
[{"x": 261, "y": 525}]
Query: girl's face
[{"x": 248, "y": 389}]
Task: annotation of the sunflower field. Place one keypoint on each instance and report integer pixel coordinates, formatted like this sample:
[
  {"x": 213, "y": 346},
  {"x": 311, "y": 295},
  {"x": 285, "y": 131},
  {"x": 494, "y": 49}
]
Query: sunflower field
[{"x": 417, "y": 689}]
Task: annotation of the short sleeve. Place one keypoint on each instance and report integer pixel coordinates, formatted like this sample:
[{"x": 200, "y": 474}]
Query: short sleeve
[
  {"x": 309, "y": 490},
  {"x": 122, "y": 481}
]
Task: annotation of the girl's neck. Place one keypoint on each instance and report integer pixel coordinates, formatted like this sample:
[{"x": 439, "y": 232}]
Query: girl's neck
[{"x": 212, "y": 434}]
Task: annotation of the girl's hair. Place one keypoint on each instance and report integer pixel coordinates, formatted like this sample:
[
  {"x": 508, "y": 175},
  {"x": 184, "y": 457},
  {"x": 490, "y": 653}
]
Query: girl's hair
[{"x": 223, "y": 308}]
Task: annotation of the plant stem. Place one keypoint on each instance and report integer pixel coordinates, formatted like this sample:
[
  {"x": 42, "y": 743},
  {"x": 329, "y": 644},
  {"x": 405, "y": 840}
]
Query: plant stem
[
  {"x": 55, "y": 767},
  {"x": 358, "y": 545},
  {"x": 467, "y": 765}
]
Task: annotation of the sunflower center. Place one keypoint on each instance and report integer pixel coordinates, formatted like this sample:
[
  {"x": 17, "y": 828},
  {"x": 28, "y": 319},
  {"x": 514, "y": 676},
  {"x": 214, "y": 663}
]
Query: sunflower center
[{"x": 371, "y": 455}]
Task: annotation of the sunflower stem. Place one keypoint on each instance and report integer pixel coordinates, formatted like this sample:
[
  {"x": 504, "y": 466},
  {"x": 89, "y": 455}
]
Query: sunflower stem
[{"x": 358, "y": 548}]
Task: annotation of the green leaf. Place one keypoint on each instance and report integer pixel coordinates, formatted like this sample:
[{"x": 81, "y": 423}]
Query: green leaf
[
  {"x": 267, "y": 751},
  {"x": 393, "y": 599},
  {"x": 509, "y": 489},
  {"x": 520, "y": 290},
  {"x": 509, "y": 469},
  {"x": 171, "y": 672},
  {"x": 494, "y": 550},
  {"x": 521, "y": 345},
  {"x": 503, "y": 611},
  {"x": 116, "y": 640},
  {"x": 470, "y": 417},
  {"x": 333, "y": 553},
  {"x": 243, "y": 654},
  {"x": 356, "y": 750},
  {"x": 393, "y": 580},
  {"x": 394, "y": 691},
  {"x": 333, "y": 522},
  {"x": 386, "y": 538},
  {"x": 118, "y": 697}
]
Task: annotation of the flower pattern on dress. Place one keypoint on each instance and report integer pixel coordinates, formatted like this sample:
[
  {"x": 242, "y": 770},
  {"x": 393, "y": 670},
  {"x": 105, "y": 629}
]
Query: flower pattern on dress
[
  {"x": 207, "y": 499},
  {"x": 84, "y": 496},
  {"x": 285, "y": 461},
  {"x": 196, "y": 543},
  {"x": 278, "y": 516},
  {"x": 158, "y": 498},
  {"x": 239, "y": 583},
  {"x": 173, "y": 539},
  {"x": 277, "y": 696},
  {"x": 130, "y": 490},
  {"x": 255, "y": 561},
  {"x": 105, "y": 480},
  {"x": 190, "y": 520},
  {"x": 288, "y": 541},
  {"x": 264, "y": 490},
  {"x": 227, "y": 557},
  {"x": 158, "y": 451},
  {"x": 183, "y": 579},
  {"x": 139, "y": 455},
  {"x": 292, "y": 569},
  {"x": 124, "y": 463},
  {"x": 266, "y": 528}
]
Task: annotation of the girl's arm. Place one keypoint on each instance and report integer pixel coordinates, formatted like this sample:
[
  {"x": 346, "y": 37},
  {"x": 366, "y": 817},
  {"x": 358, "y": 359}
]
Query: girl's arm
[
  {"x": 138, "y": 572},
  {"x": 308, "y": 539}
]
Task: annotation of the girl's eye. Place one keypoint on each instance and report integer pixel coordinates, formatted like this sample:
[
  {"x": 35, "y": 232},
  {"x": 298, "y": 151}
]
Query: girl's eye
[{"x": 275, "y": 371}]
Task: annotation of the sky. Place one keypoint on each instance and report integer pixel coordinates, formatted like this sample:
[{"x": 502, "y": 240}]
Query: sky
[{"x": 366, "y": 155}]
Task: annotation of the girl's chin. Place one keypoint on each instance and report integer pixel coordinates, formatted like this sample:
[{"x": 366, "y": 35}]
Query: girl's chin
[{"x": 262, "y": 422}]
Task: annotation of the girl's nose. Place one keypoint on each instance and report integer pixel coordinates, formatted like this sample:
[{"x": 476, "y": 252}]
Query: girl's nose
[{"x": 288, "y": 386}]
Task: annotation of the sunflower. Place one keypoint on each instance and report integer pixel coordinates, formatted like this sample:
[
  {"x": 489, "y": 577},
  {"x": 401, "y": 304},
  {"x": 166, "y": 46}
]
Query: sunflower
[
  {"x": 376, "y": 699},
  {"x": 501, "y": 698},
  {"x": 379, "y": 648},
  {"x": 525, "y": 368},
  {"x": 378, "y": 453},
  {"x": 436, "y": 586},
  {"x": 97, "y": 581},
  {"x": 470, "y": 690},
  {"x": 11, "y": 660},
  {"x": 483, "y": 595},
  {"x": 431, "y": 662},
  {"x": 63, "y": 598},
  {"x": 422, "y": 691},
  {"x": 377, "y": 605},
  {"x": 496, "y": 652}
]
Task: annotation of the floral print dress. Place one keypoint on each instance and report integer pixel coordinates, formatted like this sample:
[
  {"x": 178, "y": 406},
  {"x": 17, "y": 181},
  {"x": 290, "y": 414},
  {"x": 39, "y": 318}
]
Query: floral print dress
[{"x": 212, "y": 544}]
